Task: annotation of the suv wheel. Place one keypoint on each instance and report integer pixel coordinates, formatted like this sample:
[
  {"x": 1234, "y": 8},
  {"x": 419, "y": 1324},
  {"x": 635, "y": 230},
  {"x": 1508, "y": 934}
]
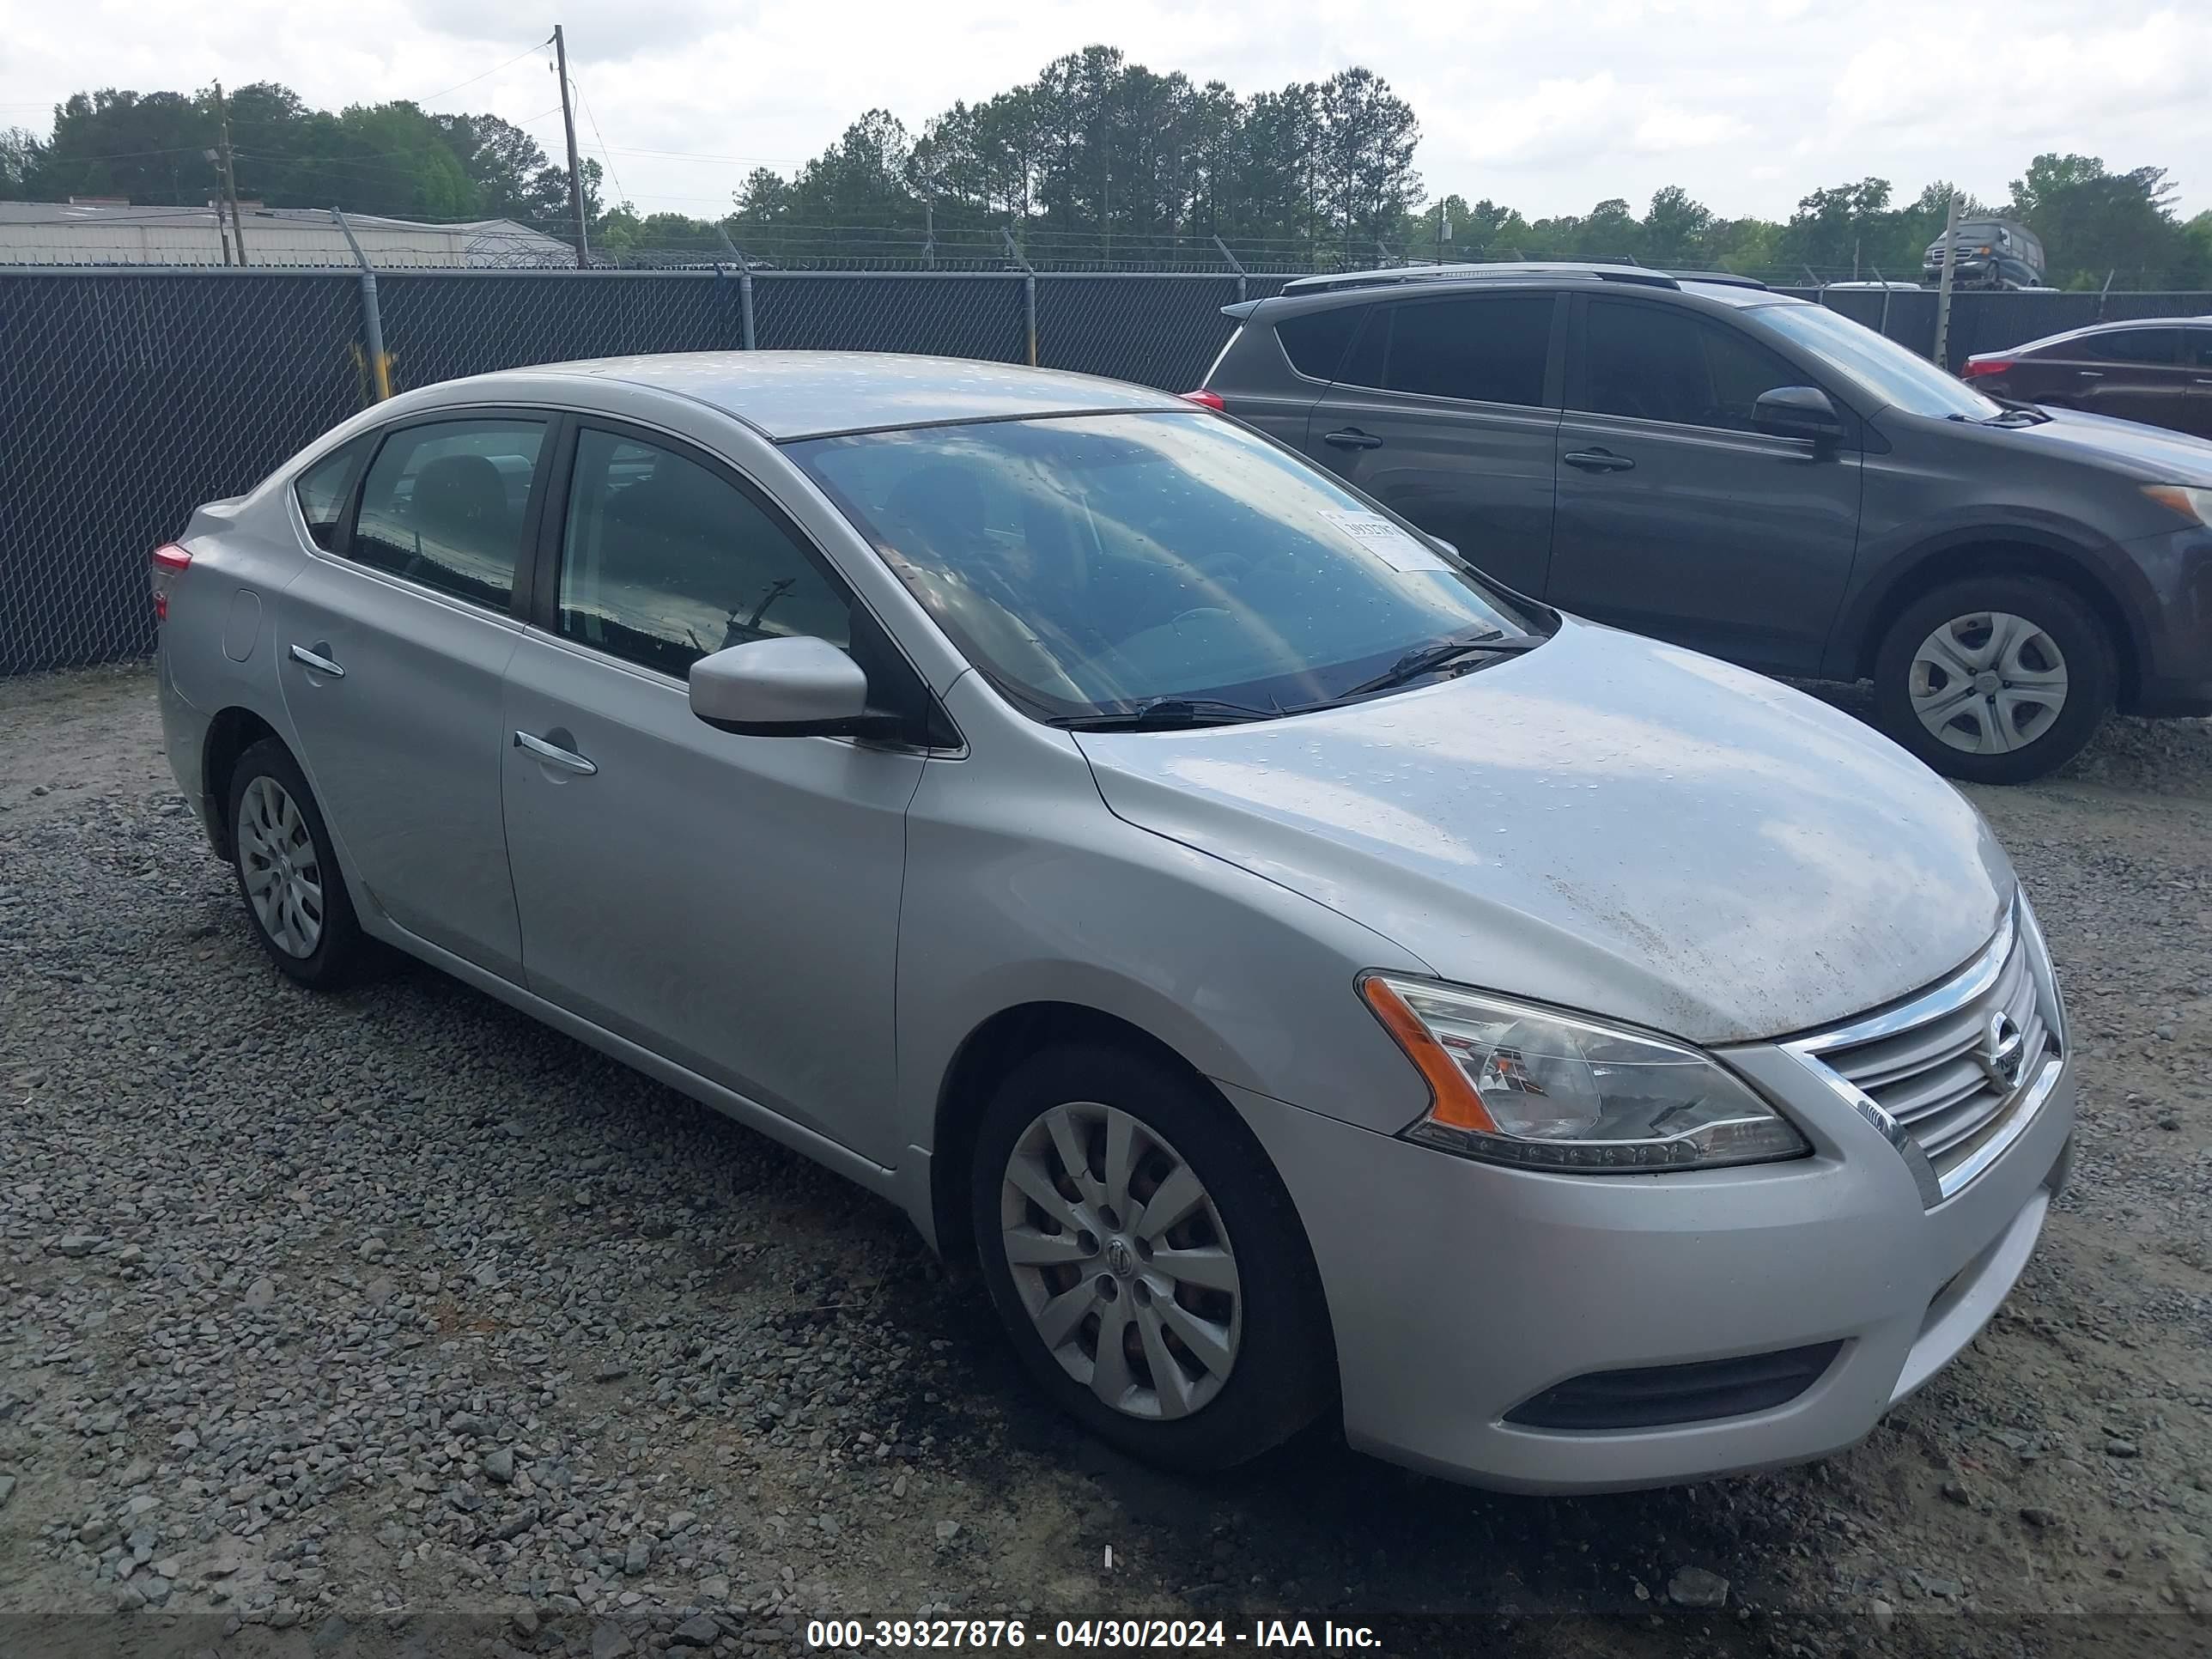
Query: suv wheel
[
  {"x": 1995, "y": 679},
  {"x": 1146, "y": 1259},
  {"x": 286, "y": 872}
]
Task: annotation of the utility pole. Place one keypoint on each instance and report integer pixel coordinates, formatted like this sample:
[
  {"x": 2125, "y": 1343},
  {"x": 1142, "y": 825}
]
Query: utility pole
[
  {"x": 575, "y": 173},
  {"x": 229, "y": 179},
  {"x": 1943, "y": 283}
]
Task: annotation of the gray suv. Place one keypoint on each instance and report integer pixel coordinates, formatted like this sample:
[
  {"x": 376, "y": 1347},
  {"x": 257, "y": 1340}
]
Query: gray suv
[{"x": 1695, "y": 457}]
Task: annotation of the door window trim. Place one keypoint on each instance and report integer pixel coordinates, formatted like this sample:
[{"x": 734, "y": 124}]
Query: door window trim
[
  {"x": 1381, "y": 313},
  {"x": 2173, "y": 330},
  {"x": 519, "y": 590},
  {"x": 1854, "y": 436}
]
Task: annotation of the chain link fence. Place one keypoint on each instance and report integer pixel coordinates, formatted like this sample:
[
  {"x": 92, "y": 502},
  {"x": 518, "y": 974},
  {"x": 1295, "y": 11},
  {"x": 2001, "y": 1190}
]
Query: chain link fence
[{"x": 129, "y": 395}]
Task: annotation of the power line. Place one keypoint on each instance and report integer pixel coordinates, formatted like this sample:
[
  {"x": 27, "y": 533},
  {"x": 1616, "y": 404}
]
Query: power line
[
  {"x": 487, "y": 74},
  {"x": 620, "y": 193}
]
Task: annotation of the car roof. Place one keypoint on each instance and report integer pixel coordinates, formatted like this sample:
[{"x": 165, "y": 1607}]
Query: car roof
[
  {"x": 786, "y": 395},
  {"x": 2115, "y": 325},
  {"x": 1362, "y": 288}
]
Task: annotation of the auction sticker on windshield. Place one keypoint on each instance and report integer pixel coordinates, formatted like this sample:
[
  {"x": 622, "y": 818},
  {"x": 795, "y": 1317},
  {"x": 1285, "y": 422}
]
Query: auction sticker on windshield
[{"x": 1386, "y": 542}]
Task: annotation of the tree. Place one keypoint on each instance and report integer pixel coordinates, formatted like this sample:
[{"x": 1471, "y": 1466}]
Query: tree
[
  {"x": 1366, "y": 155},
  {"x": 1675, "y": 228},
  {"x": 2092, "y": 221},
  {"x": 21, "y": 156},
  {"x": 151, "y": 148}
]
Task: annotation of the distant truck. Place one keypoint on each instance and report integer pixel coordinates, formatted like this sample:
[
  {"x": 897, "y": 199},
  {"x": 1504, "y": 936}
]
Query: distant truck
[{"x": 1990, "y": 253}]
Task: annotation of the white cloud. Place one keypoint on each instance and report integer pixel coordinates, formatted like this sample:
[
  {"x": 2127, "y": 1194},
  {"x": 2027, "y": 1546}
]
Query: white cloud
[{"x": 1747, "y": 104}]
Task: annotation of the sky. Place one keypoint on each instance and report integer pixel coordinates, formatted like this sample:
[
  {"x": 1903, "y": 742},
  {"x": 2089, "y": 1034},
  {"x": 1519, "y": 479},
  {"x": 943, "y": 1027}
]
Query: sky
[{"x": 1550, "y": 108}]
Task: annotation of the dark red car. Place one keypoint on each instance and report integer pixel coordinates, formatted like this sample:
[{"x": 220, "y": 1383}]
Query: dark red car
[{"x": 2158, "y": 371}]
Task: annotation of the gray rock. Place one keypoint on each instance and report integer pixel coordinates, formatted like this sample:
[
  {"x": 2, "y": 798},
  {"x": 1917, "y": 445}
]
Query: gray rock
[
  {"x": 7, "y": 1489},
  {"x": 947, "y": 1531},
  {"x": 525, "y": 1620},
  {"x": 74, "y": 1244},
  {"x": 155, "y": 1589},
  {"x": 609, "y": 1641},
  {"x": 1954, "y": 1491},
  {"x": 699, "y": 1630},
  {"x": 1694, "y": 1587},
  {"x": 2121, "y": 1449},
  {"x": 1882, "y": 1613},
  {"x": 498, "y": 1465},
  {"x": 260, "y": 1295},
  {"x": 2036, "y": 1515},
  {"x": 639, "y": 1557}
]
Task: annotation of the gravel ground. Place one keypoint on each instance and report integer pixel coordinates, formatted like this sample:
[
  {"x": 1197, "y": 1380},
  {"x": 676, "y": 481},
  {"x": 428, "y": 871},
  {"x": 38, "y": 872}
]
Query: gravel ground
[{"x": 396, "y": 1324}]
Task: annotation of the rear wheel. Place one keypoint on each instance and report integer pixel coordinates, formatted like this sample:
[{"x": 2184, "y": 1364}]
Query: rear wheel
[
  {"x": 288, "y": 873},
  {"x": 1145, "y": 1261},
  {"x": 1995, "y": 679}
]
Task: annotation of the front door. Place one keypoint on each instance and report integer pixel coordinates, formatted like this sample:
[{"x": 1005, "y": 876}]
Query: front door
[
  {"x": 730, "y": 903},
  {"x": 1445, "y": 411},
  {"x": 2129, "y": 373},
  {"x": 1677, "y": 518},
  {"x": 391, "y": 651}
]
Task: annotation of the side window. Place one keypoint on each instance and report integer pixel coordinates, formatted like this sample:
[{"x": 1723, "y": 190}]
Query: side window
[
  {"x": 1657, "y": 363},
  {"x": 2198, "y": 347},
  {"x": 663, "y": 562},
  {"x": 1315, "y": 342},
  {"x": 443, "y": 506},
  {"x": 324, "y": 488},
  {"x": 2133, "y": 345},
  {"x": 1487, "y": 349}
]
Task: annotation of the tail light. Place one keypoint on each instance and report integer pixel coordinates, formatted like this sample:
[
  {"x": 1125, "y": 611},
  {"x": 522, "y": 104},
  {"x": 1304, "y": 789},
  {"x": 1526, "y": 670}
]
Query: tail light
[
  {"x": 1205, "y": 399},
  {"x": 170, "y": 561},
  {"x": 1976, "y": 368}
]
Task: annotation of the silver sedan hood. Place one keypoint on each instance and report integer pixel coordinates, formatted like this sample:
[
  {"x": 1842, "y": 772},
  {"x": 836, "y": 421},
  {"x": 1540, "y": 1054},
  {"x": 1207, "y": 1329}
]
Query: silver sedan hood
[{"x": 1606, "y": 822}]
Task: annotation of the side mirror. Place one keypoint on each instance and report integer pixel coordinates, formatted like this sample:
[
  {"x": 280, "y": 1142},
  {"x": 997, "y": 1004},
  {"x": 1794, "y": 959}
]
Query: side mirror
[
  {"x": 1798, "y": 411},
  {"x": 798, "y": 687}
]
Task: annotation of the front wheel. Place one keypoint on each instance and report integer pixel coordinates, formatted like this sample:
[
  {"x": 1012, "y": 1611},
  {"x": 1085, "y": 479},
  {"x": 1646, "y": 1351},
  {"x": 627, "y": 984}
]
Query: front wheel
[
  {"x": 1147, "y": 1261},
  {"x": 1995, "y": 679}
]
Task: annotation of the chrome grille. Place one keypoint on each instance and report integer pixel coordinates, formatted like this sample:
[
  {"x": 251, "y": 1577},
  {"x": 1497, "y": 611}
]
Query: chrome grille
[{"x": 1952, "y": 1074}]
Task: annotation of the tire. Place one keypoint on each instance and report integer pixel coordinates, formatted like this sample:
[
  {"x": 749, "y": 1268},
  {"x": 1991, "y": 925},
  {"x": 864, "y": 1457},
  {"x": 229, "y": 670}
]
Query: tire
[
  {"x": 287, "y": 872},
  {"x": 2027, "y": 665},
  {"x": 1279, "y": 1372}
]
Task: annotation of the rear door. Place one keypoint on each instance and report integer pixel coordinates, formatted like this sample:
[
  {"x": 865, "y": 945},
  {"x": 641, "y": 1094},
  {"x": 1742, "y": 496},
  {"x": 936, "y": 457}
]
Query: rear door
[
  {"x": 1675, "y": 517},
  {"x": 391, "y": 646},
  {"x": 2133, "y": 373},
  {"x": 1273, "y": 375},
  {"x": 1447, "y": 410},
  {"x": 2196, "y": 357}
]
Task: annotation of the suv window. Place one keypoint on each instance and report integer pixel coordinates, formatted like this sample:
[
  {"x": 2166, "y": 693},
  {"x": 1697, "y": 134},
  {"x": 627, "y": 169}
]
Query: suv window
[
  {"x": 1488, "y": 347},
  {"x": 444, "y": 506},
  {"x": 663, "y": 561},
  {"x": 1656, "y": 363},
  {"x": 2197, "y": 348},
  {"x": 1315, "y": 342},
  {"x": 2133, "y": 345},
  {"x": 324, "y": 488}
]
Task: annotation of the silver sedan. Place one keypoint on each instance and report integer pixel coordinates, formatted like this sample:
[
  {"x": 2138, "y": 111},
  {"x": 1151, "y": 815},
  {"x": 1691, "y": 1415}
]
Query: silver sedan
[{"x": 1305, "y": 975}]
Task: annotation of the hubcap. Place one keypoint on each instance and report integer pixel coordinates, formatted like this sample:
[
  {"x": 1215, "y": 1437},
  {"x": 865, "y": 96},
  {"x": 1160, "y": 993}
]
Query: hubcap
[
  {"x": 283, "y": 871},
  {"x": 1121, "y": 1261},
  {"x": 1988, "y": 682}
]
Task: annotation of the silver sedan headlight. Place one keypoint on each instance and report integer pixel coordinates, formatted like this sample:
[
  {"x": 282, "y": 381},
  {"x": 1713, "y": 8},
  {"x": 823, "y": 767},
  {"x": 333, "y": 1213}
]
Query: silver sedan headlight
[{"x": 1512, "y": 1083}]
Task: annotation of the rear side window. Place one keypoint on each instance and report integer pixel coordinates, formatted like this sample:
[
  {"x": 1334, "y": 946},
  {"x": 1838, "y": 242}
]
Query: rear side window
[
  {"x": 444, "y": 504},
  {"x": 324, "y": 488},
  {"x": 2133, "y": 345},
  {"x": 2198, "y": 347},
  {"x": 1315, "y": 342},
  {"x": 1485, "y": 349},
  {"x": 1656, "y": 363}
]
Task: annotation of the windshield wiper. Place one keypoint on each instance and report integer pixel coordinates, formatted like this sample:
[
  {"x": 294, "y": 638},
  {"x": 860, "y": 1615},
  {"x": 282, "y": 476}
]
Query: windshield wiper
[
  {"x": 1431, "y": 658},
  {"x": 1163, "y": 713}
]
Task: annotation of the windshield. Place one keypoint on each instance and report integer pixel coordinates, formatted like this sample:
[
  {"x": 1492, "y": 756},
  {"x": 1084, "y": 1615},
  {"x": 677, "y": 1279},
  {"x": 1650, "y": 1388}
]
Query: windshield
[
  {"x": 1096, "y": 564},
  {"x": 1888, "y": 371}
]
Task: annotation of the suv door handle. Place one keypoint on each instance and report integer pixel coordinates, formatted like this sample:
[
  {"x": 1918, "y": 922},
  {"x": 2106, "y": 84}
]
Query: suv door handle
[
  {"x": 2090, "y": 373},
  {"x": 1597, "y": 460},
  {"x": 1352, "y": 438},
  {"x": 555, "y": 754},
  {"x": 317, "y": 660}
]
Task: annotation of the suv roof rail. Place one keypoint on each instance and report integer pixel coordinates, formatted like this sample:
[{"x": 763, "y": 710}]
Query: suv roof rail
[
  {"x": 1470, "y": 273},
  {"x": 1725, "y": 278}
]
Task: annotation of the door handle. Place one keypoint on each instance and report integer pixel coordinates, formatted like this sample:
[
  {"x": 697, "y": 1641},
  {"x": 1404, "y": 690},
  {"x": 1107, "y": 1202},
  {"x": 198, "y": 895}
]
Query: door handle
[
  {"x": 1597, "y": 460},
  {"x": 316, "y": 659},
  {"x": 554, "y": 755},
  {"x": 2204, "y": 379},
  {"x": 1352, "y": 438},
  {"x": 2090, "y": 373}
]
